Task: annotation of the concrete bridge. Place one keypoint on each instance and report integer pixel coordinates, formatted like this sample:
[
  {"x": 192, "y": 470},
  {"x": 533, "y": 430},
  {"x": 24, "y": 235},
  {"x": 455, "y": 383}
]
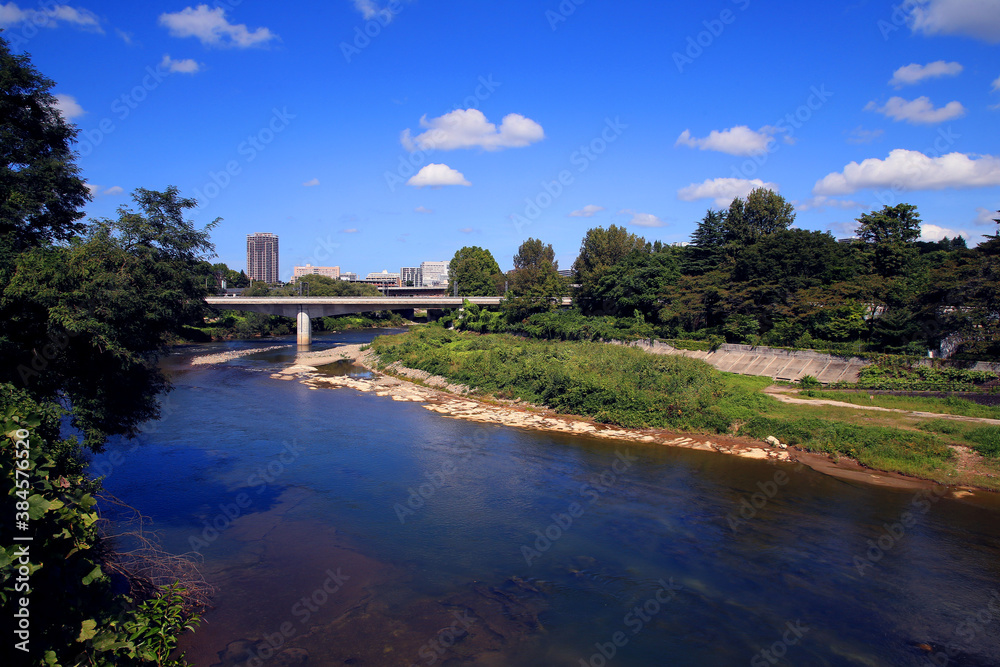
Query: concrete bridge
[{"x": 305, "y": 308}]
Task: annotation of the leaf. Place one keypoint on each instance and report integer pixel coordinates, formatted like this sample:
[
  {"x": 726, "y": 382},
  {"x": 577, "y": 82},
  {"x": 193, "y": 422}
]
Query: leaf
[
  {"x": 37, "y": 506},
  {"x": 87, "y": 630},
  {"x": 95, "y": 574}
]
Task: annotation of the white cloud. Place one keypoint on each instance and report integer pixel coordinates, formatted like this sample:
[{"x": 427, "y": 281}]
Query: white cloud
[
  {"x": 912, "y": 170},
  {"x": 213, "y": 29},
  {"x": 114, "y": 190},
  {"x": 97, "y": 191},
  {"x": 823, "y": 202},
  {"x": 722, "y": 190},
  {"x": 915, "y": 73},
  {"x": 125, "y": 36},
  {"x": 642, "y": 219},
  {"x": 311, "y": 183},
  {"x": 920, "y": 111},
  {"x": 467, "y": 230},
  {"x": 421, "y": 209},
  {"x": 739, "y": 140},
  {"x": 587, "y": 211},
  {"x": 186, "y": 66},
  {"x": 973, "y": 18},
  {"x": 436, "y": 175},
  {"x": 468, "y": 128},
  {"x": 370, "y": 9},
  {"x": 996, "y": 85},
  {"x": 859, "y": 135},
  {"x": 929, "y": 232},
  {"x": 50, "y": 17},
  {"x": 68, "y": 106},
  {"x": 349, "y": 230}
]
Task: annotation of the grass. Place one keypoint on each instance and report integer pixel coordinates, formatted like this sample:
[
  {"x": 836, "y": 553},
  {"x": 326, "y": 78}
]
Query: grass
[
  {"x": 949, "y": 405},
  {"x": 634, "y": 389}
]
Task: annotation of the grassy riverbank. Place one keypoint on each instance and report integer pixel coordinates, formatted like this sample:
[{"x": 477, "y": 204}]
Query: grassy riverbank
[{"x": 631, "y": 388}]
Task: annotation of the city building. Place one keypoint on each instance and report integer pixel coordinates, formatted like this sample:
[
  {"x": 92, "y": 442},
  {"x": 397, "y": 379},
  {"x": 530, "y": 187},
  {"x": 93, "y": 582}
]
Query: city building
[
  {"x": 262, "y": 257},
  {"x": 383, "y": 279},
  {"x": 310, "y": 270},
  {"x": 409, "y": 275},
  {"x": 349, "y": 276},
  {"x": 433, "y": 274}
]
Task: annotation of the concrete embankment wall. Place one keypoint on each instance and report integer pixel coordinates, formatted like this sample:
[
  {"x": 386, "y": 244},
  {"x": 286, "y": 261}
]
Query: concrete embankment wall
[{"x": 778, "y": 364}]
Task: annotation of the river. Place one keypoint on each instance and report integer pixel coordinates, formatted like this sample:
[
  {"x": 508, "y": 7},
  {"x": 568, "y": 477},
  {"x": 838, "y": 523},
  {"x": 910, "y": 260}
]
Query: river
[{"x": 342, "y": 528}]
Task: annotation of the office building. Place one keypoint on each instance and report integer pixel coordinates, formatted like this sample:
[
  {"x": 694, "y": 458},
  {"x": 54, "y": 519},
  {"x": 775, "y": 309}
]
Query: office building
[
  {"x": 262, "y": 257},
  {"x": 409, "y": 275},
  {"x": 433, "y": 274},
  {"x": 310, "y": 270},
  {"x": 383, "y": 279}
]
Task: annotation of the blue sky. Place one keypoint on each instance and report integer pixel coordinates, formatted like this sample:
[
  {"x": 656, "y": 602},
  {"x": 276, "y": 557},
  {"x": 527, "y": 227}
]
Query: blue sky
[{"x": 374, "y": 134}]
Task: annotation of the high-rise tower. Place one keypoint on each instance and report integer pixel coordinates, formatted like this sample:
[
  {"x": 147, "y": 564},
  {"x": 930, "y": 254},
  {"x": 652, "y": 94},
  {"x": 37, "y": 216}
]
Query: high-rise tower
[{"x": 262, "y": 257}]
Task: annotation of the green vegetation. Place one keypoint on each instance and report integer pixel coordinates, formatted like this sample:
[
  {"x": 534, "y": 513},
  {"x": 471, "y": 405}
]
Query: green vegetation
[
  {"x": 890, "y": 373},
  {"x": 949, "y": 405},
  {"x": 475, "y": 272},
  {"x": 625, "y": 386}
]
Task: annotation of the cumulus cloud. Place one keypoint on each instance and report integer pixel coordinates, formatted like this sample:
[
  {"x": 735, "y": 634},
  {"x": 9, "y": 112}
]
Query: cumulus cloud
[
  {"x": 468, "y": 128},
  {"x": 912, "y": 170},
  {"x": 422, "y": 209},
  {"x": 739, "y": 140},
  {"x": 68, "y": 106},
  {"x": 50, "y": 17},
  {"x": 436, "y": 175},
  {"x": 212, "y": 28},
  {"x": 985, "y": 216},
  {"x": 186, "y": 66},
  {"x": 587, "y": 211},
  {"x": 920, "y": 111},
  {"x": 311, "y": 183},
  {"x": 642, "y": 219},
  {"x": 915, "y": 73},
  {"x": 101, "y": 191},
  {"x": 929, "y": 232},
  {"x": 722, "y": 190},
  {"x": 972, "y": 18}
]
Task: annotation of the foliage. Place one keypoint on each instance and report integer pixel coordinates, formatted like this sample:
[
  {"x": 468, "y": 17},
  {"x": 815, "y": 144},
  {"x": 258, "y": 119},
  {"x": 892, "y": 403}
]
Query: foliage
[
  {"x": 889, "y": 235},
  {"x": 599, "y": 251},
  {"x": 764, "y": 212},
  {"x": 66, "y": 568},
  {"x": 987, "y": 439},
  {"x": 889, "y": 373},
  {"x": 475, "y": 272},
  {"x": 316, "y": 285},
  {"x": 535, "y": 285},
  {"x": 41, "y": 191}
]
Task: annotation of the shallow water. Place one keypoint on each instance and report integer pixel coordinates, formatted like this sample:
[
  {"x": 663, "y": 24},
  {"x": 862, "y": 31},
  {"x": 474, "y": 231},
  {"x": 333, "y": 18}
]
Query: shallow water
[{"x": 344, "y": 528}]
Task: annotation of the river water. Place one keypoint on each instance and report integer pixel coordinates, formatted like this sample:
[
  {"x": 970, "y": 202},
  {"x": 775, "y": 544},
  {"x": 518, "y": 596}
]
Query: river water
[{"x": 342, "y": 528}]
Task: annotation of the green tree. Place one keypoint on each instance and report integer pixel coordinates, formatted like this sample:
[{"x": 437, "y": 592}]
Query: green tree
[
  {"x": 316, "y": 285},
  {"x": 475, "y": 272},
  {"x": 764, "y": 212},
  {"x": 87, "y": 321},
  {"x": 599, "y": 251},
  {"x": 708, "y": 243},
  {"x": 534, "y": 283},
  {"x": 637, "y": 283},
  {"x": 41, "y": 192},
  {"x": 889, "y": 237}
]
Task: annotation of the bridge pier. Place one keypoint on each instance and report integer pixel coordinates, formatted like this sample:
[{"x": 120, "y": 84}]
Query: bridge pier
[{"x": 303, "y": 327}]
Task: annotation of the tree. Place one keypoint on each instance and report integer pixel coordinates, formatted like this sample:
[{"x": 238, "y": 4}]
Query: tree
[
  {"x": 599, "y": 251},
  {"x": 317, "y": 285},
  {"x": 637, "y": 283},
  {"x": 763, "y": 213},
  {"x": 534, "y": 283},
  {"x": 41, "y": 192},
  {"x": 87, "y": 321},
  {"x": 708, "y": 242},
  {"x": 475, "y": 272},
  {"x": 889, "y": 236}
]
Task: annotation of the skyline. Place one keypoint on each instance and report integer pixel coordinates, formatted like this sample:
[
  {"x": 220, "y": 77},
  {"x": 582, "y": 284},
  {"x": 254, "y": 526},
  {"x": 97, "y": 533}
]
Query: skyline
[{"x": 486, "y": 123}]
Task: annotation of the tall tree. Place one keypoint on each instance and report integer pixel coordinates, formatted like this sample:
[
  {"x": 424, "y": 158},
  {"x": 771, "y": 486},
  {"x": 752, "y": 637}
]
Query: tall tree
[
  {"x": 889, "y": 236},
  {"x": 475, "y": 272},
  {"x": 41, "y": 192},
  {"x": 534, "y": 283},
  {"x": 707, "y": 244},
  {"x": 764, "y": 212},
  {"x": 600, "y": 250}
]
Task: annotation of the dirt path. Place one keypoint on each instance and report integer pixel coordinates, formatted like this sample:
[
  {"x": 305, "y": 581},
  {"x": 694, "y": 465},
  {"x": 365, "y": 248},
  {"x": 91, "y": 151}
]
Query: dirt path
[{"x": 782, "y": 394}]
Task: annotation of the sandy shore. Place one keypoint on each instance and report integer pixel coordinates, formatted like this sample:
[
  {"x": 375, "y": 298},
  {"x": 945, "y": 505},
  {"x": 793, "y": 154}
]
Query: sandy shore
[{"x": 223, "y": 357}]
